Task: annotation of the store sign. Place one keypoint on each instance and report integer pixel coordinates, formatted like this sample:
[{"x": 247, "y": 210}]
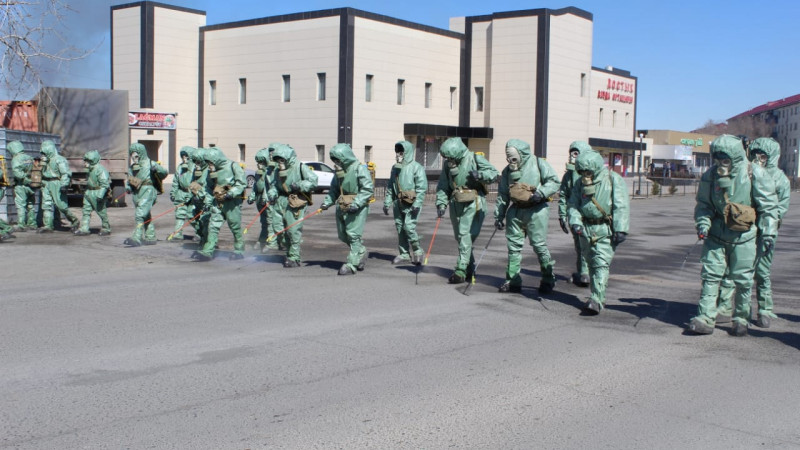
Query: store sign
[
  {"x": 151, "y": 120},
  {"x": 683, "y": 153},
  {"x": 692, "y": 142},
  {"x": 617, "y": 91}
]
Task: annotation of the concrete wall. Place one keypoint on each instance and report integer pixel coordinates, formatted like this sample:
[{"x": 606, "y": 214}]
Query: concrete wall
[
  {"x": 568, "y": 107},
  {"x": 388, "y": 53},
  {"x": 126, "y": 40},
  {"x": 262, "y": 54},
  {"x": 176, "y": 55}
]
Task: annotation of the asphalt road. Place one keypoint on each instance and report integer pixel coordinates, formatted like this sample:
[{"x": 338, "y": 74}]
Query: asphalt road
[{"x": 103, "y": 346}]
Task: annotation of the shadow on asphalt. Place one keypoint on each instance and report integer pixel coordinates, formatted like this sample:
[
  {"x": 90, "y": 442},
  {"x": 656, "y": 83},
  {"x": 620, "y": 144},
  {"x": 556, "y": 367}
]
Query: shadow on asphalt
[
  {"x": 327, "y": 264},
  {"x": 790, "y": 339},
  {"x": 672, "y": 313}
]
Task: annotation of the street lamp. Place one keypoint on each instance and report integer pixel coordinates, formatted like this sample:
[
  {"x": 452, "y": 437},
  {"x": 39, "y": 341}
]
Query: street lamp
[{"x": 641, "y": 157}]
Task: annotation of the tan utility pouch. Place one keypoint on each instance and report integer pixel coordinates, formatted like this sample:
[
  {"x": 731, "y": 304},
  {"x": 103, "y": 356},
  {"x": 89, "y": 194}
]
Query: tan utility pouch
[
  {"x": 134, "y": 182},
  {"x": 462, "y": 195},
  {"x": 520, "y": 193},
  {"x": 739, "y": 217},
  {"x": 195, "y": 187},
  {"x": 408, "y": 196},
  {"x": 345, "y": 200},
  {"x": 36, "y": 178},
  {"x": 297, "y": 201},
  {"x": 220, "y": 192}
]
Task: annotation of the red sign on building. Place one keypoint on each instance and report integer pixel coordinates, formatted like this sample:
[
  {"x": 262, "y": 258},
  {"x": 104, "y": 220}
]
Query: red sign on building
[{"x": 151, "y": 120}]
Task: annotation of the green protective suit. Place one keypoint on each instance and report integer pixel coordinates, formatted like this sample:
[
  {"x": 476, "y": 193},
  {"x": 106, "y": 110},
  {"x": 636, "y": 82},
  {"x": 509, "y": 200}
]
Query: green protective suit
[
  {"x": 55, "y": 176},
  {"x": 259, "y": 196},
  {"x": 144, "y": 196},
  {"x": 274, "y": 215},
  {"x": 179, "y": 193},
  {"x": 352, "y": 183},
  {"x": 5, "y": 228},
  {"x": 98, "y": 183},
  {"x": 599, "y": 215},
  {"x": 526, "y": 218},
  {"x": 405, "y": 195},
  {"x": 229, "y": 176},
  {"x": 727, "y": 252},
  {"x": 292, "y": 183},
  {"x": 565, "y": 191},
  {"x": 24, "y": 194},
  {"x": 763, "y": 264},
  {"x": 466, "y": 217},
  {"x": 201, "y": 211}
]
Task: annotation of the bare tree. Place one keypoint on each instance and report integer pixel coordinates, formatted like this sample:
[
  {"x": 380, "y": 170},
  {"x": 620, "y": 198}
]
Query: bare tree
[
  {"x": 33, "y": 41},
  {"x": 711, "y": 127},
  {"x": 751, "y": 126}
]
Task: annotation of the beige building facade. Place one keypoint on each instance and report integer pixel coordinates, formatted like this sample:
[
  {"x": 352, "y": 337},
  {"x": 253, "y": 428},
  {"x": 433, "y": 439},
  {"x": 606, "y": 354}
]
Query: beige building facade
[{"x": 314, "y": 79}]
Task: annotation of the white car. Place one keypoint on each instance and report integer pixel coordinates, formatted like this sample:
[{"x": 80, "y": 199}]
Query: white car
[{"x": 324, "y": 174}]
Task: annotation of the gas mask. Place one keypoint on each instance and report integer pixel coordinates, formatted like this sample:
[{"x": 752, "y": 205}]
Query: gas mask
[
  {"x": 452, "y": 166},
  {"x": 514, "y": 161},
  {"x": 261, "y": 167},
  {"x": 212, "y": 171},
  {"x": 185, "y": 159},
  {"x": 135, "y": 161},
  {"x": 86, "y": 164},
  {"x": 723, "y": 164},
  {"x": 398, "y": 157},
  {"x": 587, "y": 179},
  {"x": 337, "y": 166},
  {"x": 760, "y": 158},
  {"x": 573, "y": 156}
]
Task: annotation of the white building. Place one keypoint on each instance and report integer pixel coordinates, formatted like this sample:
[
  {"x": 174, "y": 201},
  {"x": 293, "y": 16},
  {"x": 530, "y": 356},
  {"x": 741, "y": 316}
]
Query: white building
[{"x": 344, "y": 75}]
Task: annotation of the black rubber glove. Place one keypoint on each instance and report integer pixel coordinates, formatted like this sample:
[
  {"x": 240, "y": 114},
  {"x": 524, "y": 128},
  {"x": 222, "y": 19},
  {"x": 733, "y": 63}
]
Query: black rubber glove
[
  {"x": 415, "y": 211},
  {"x": 537, "y": 198},
  {"x": 702, "y": 233},
  {"x": 619, "y": 237},
  {"x": 577, "y": 230},
  {"x": 352, "y": 209},
  {"x": 250, "y": 200},
  {"x": 440, "y": 211},
  {"x": 769, "y": 244},
  {"x": 499, "y": 224},
  {"x": 385, "y": 210},
  {"x": 324, "y": 207},
  {"x": 475, "y": 175},
  {"x": 295, "y": 188},
  {"x": 563, "y": 223}
]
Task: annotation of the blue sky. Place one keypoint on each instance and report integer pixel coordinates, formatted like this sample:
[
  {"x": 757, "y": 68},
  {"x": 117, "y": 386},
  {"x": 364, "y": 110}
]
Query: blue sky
[{"x": 695, "y": 60}]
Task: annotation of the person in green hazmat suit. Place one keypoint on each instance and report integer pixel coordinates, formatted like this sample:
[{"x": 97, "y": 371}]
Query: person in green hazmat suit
[
  {"x": 144, "y": 181},
  {"x": 223, "y": 199},
  {"x": 462, "y": 185},
  {"x": 258, "y": 195},
  {"x": 405, "y": 194},
  {"x": 6, "y": 230},
  {"x": 180, "y": 194},
  {"x": 581, "y": 276},
  {"x": 732, "y": 191},
  {"x": 599, "y": 213},
  {"x": 274, "y": 216},
  {"x": 765, "y": 153},
  {"x": 98, "y": 183},
  {"x": 351, "y": 189},
  {"x": 199, "y": 188},
  {"x": 22, "y": 166},
  {"x": 56, "y": 177},
  {"x": 290, "y": 190},
  {"x": 525, "y": 186}
]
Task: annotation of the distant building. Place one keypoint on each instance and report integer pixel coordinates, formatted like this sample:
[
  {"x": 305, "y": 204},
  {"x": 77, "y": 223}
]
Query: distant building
[
  {"x": 688, "y": 152},
  {"x": 784, "y": 116},
  {"x": 316, "y": 78}
]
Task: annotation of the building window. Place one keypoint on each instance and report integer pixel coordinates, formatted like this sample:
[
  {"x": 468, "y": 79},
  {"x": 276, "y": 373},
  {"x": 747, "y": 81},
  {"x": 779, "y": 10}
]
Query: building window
[
  {"x": 212, "y": 92},
  {"x": 428, "y": 94},
  {"x": 627, "y": 117},
  {"x": 287, "y": 88},
  {"x": 242, "y": 153},
  {"x": 614, "y": 118},
  {"x": 367, "y": 153},
  {"x": 453, "y": 98},
  {"x": 242, "y": 91},
  {"x": 369, "y": 88},
  {"x": 401, "y": 91},
  {"x": 321, "y": 153},
  {"x": 583, "y": 85},
  {"x": 600, "y": 121},
  {"x": 321, "y": 86},
  {"x": 478, "y": 98}
]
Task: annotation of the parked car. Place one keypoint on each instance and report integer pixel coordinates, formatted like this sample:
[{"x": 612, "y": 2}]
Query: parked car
[
  {"x": 324, "y": 174},
  {"x": 323, "y": 171}
]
